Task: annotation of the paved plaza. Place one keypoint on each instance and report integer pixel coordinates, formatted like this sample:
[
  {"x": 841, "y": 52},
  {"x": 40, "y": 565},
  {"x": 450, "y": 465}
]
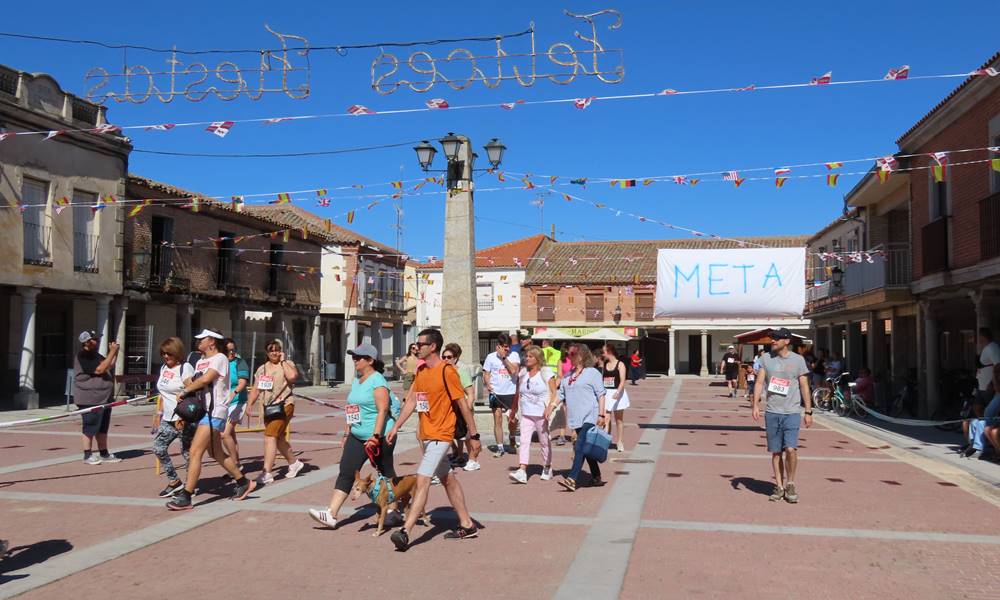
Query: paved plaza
[{"x": 685, "y": 514}]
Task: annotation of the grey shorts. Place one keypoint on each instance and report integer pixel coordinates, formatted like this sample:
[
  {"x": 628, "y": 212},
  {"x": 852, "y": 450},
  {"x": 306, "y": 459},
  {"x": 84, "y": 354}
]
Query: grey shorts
[
  {"x": 96, "y": 422},
  {"x": 435, "y": 461},
  {"x": 782, "y": 431}
]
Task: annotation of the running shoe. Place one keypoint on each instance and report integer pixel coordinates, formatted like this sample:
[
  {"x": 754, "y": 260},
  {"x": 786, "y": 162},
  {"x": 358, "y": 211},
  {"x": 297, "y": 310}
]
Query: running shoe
[
  {"x": 323, "y": 517},
  {"x": 620, "y": 446},
  {"x": 561, "y": 440},
  {"x": 181, "y": 501},
  {"x": 294, "y": 468},
  {"x": 462, "y": 533},
  {"x": 568, "y": 483},
  {"x": 499, "y": 452},
  {"x": 242, "y": 490},
  {"x": 93, "y": 459},
  {"x": 791, "y": 496},
  {"x": 472, "y": 466},
  {"x": 401, "y": 540},
  {"x": 596, "y": 482},
  {"x": 171, "y": 489},
  {"x": 519, "y": 476},
  {"x": 435, "y": 480},
  {"x": 266, "y": 478},
  {"x": 969, "y": 452},
  {"x": 546, "y": 474},
  {"x": 110, "y": 458},
  {"x": 777, "y": 494}
]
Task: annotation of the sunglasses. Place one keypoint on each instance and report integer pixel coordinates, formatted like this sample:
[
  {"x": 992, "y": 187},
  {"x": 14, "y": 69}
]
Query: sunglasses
[
  {"x": 422, "y": 344},
  {"x": 447, "y": 356}
]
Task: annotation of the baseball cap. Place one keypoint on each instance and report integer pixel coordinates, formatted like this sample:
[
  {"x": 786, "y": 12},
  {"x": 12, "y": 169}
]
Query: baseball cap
[
  {"x": 86, "y": 336},
  {"x": 731, "y": 347},
  {"x": 366, "y": 350},
  {"x": 209, "y": 333},
  {"x": 781, "y": 333}
]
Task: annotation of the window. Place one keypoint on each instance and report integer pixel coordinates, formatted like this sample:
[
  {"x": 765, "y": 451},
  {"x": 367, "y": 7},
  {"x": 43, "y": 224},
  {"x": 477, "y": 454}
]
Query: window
[
  {"x": 37, "y": 236},
  {"x": 644, "y": 307},
  {"x": 274, "y": 269},
  {"x": 939, "y": 195},
  {"x": 484, "y": 296},
  {"x": 161, "y": 255},
  {"x": 226, "y": 265},
  {"x": 546, "y": 307},
  {"x": 595, "y": 307},
  {"x": 84, "y": 232}
]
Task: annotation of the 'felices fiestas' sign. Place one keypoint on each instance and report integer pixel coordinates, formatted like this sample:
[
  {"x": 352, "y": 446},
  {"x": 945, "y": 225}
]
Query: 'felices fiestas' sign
[{"x": 739, "y": 282}]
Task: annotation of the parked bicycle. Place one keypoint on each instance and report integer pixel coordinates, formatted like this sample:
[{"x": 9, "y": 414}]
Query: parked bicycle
[
  {"x": 958, "y": 394},
  {"x": 905, "y": 399},
  {"x": 835, "y": 398}
]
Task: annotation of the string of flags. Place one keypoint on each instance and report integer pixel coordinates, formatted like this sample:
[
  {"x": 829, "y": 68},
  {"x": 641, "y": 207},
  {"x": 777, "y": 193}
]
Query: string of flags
[{"x": 222, "y": 128}]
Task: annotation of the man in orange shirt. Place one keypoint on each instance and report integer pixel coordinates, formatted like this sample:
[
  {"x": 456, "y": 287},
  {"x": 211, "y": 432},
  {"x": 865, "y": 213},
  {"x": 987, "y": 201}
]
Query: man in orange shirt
[{"x": 436, "y": 394}]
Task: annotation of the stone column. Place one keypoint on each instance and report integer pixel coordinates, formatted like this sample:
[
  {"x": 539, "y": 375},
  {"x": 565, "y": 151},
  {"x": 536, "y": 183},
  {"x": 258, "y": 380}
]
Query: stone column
[
  {"x": 122, "y": 310},
  {"x": 185, "y": 310},
  {"x": 459, "y": 316},
  {"x": 315, "y": 353},
  {"x": 982, "y": 304},
  {"x": 103, "y": 323},
  {"x": 672, "y": 350},
  {"x": 704, "y": 353},
  {"x": 26, "y": 396},
  {"x": 932, "y": 356}
]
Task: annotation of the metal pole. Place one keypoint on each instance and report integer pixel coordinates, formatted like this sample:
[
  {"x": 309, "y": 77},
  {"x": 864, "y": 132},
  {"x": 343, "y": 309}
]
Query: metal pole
[{"x": 253, "y": 354}]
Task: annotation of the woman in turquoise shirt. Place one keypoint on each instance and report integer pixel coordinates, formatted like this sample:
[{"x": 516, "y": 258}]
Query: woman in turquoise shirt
[{"x": 369, "y": 414}]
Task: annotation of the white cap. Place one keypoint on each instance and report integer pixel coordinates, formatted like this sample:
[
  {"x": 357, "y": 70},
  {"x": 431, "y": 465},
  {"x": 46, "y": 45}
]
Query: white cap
[
  {"x": 732, "y": 347},
  {"x": 209, "y": 333}
]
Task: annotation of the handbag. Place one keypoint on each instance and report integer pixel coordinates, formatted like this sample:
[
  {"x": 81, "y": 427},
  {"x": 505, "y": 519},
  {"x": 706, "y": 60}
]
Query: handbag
[
  {"x": 275, "y": 410},
  {"x": 595, "y": 444},
  {"x": 191, "y": 410}
]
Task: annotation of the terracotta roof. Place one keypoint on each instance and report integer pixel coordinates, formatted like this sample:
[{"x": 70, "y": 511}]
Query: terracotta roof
[
  {"x": 994, "y": 61},
  {"x": 592, "y": 264},
  {"x": 502, "y": 255},
  {"x": 298, "y": 217}
]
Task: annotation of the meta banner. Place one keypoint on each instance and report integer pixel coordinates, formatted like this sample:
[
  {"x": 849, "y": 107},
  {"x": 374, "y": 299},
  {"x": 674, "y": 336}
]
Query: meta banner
[{"x": 739, "y": 282}]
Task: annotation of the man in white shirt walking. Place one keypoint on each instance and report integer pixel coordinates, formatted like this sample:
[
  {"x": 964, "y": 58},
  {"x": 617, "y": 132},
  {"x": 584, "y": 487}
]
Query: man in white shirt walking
[{"x": 499, "y": 370}]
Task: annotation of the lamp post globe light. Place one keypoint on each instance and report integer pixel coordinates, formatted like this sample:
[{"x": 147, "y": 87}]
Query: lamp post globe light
[{"x": 451, "y": 145}]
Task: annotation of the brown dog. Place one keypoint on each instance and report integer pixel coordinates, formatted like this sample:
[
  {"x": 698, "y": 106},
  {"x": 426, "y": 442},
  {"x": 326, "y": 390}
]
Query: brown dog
[{"x": 402, "y": 487}]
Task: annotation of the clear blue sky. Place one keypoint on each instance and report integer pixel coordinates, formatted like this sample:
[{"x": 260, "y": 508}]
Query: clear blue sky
[{"x": 682, "y": 45}]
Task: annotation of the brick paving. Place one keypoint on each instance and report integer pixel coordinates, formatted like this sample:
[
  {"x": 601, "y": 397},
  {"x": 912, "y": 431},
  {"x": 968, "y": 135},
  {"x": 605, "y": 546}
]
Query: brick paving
[{"x": 684, "y": 514}]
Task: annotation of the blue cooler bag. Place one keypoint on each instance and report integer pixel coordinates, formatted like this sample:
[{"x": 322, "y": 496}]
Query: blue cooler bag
[{"x": 595, "y": 444}]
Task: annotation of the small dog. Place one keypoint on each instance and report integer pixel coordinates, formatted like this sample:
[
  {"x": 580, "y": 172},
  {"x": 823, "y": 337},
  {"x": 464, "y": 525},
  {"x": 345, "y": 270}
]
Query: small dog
[{"x": 402, "y": 488}]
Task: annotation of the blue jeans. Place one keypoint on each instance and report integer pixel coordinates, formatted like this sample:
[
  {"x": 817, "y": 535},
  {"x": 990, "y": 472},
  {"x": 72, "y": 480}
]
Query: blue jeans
[{"x": 595, "y": 467}]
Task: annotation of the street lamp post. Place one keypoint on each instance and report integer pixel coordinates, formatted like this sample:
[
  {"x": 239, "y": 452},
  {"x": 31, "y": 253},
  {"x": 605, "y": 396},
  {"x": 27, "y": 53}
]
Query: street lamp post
[{"x": 459, "y": 313}]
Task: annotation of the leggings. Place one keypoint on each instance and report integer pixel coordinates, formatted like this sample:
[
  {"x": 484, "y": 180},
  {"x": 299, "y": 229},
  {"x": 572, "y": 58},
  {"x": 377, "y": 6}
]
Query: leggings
[
  {"x": 578, "y": 457},
  {"x": 165, "y": 435},
  {"x": 528, "y": 426},
  {"x": 354, "y": 458}
]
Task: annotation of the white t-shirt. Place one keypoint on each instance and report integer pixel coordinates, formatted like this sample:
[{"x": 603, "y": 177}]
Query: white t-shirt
[
  {"x": 170, "y": 383},
  {"x": 500, "y": 379},
  {"x": 534, "y": 392},
  {"x": 220, "y": 388},
  {"x": 988, "y": 357}
]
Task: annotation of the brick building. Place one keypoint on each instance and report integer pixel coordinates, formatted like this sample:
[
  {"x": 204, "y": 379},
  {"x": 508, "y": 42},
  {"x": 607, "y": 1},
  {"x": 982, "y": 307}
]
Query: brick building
[
  {"x": 590, "y": 285},
  {"x": 221, "y": 268}
]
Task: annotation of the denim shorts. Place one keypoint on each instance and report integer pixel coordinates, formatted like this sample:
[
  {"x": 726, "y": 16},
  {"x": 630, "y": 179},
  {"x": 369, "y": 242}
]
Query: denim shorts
[
  {"x": 782, "y": 431},
  {"x": 217, "y": 424}
]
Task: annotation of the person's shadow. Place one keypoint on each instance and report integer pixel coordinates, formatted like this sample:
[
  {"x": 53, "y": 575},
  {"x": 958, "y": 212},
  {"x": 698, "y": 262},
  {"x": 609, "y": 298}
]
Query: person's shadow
[
  {"x": 22, "y": 557},
  {"x": 754, "y": 485}
]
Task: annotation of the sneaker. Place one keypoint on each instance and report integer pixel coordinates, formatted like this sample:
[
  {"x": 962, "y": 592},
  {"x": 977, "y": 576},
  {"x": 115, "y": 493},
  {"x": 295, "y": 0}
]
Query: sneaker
[
  {"x": 110, "y": 458},
  {"x": 171, "y": 489},
  {"x": 243, "y": 490},
  {"x": 777, "y": 494},
  {"x": 181, "y": 501},
  {"x": 561, "y": 441},
  {"x": 499, "y": 452},
  {"x": 323, "y": 517},
  {"x": 596, "y": 482},
  {"x": 462, "y": 533},
  {"x": 492, "y": 447},
  {"x": 790, "y": 495},
  {"x": 973, "y": 454},
  {"x": 620, "y": 446},
  {"x": 568, "y": 483},
  {"x": 294, "y": 468},
  {"x": 472, "y": 466},
  {"x": 546, "y": 474},
  {"x": 266, "y": 478},
  {"x": 969, "y": 451},
  {"x": 435, "y": 480},
  {"x": 519, "y": 476},
  {"x": 93, "y": 459},
  {"x": 400, "y": 539}
]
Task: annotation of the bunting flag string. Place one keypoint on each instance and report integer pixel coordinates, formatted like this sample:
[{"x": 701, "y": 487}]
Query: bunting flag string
[{"x": 222, "y": 128}]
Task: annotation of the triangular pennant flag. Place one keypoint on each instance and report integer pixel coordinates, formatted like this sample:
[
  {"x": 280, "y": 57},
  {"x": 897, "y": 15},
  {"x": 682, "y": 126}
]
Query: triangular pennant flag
[
  {"x": 109, "y": 199},
  {"x": 898, "y": 74},
  {"x": 738, "y": 182},
  {"x": 61, "y": 204},
  {"x": 647, "y": 181},
  {"x": 274, "y": 120},
  {"x": 236, "y": 203},
  {"x": 397, "y": 185},
  {"x": 138, "y": 208},
  {"x": 883, "y": 175},
  {"x": 437, "y": 103},
  {"x": 552, "y": 179},
  {"x": 357, "y": 109},
  {"x": 220, "y": 128},
  {"x": 161, "y": 127},
  {"x": 194, "y": 205},
  {"x": 106, "y": 129},
  {"x": 323, "y": 202},
  {"x": 823, "y": 79},
  {"x": 693, "y": 181},
  {"x": 583, "y": 103},
  {"x": 350, "y": 217},
  {"x": 285, "y": 235},
  {"x": 328, "y": 225},
  {"x": 283, "y": 198},
  {"x": 7, "y": 134},
  {"x": 500, "y": 176},
  {"x": 939, "y": 172},
  {"x": 321, "y": 192},
  {"x": 579, "y": 181},
  {"x": 834, "y": 165},
  {"x": 831, "y": 179},
  {"x": 780, "y": 181}
]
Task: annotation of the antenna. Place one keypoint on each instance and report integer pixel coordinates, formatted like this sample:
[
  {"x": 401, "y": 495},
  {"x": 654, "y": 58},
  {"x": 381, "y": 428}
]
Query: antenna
[{"x": 398, "y": 206}]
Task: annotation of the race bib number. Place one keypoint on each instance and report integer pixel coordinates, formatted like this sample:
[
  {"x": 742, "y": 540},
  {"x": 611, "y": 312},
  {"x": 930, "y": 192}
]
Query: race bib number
[
  {"x": 503, "y": 374},
  {"x": 730, "y": 360},
  {"x": 353, "y": 414},
  {"x": 609, "y": 383},
  {"x": 265, "y": 382},
  {"x": 201, "y": 366},
  {"x": 422, "y": 404},
  {"x": 167, "y": 375},
  {"x": 779, "y": 386}
]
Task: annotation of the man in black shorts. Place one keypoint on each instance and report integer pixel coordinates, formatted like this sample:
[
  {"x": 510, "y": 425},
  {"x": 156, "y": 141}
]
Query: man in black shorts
[
  {"x": 730, "y": 365},
  {"x": 94, "y": 385},
  {"x": 500, "y": 378}
]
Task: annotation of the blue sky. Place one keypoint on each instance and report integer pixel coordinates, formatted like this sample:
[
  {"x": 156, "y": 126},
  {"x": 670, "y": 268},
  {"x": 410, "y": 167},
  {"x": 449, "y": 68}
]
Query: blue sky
[{"x": 681, "y": 45}]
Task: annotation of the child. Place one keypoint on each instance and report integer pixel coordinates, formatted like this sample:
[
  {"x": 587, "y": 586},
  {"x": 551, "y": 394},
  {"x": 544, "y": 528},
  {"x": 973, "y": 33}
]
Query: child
[{"x": 751, "y": 376}]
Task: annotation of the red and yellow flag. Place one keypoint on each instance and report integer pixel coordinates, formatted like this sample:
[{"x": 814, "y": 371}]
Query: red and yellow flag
[
  {"x": 738, "y": 182},
  {"x": 350, "y": 217},
  {"x": 552, "y": 180},
  {"x": 834, "y": 165},
  {"x": 780, "y": 181},
  {"x": 500, "y": 176},
  {"x": 939, "y": 172},
  {"x": 693, "y": 181},
  {"x": 321, "y": 192},
  {"x": 283, "y": 198},
  {"x": 996, "y": 164},
  {"x": 883, "y": 175},
  {"x": 138, "y": 207},
  {"x": 109, "y": 199},
  {"x": 647, "y": 181},
  {"x": 285, "y": 235},
  {"x": 397, "y": 184},
  {"x": 831, "y": 180}
]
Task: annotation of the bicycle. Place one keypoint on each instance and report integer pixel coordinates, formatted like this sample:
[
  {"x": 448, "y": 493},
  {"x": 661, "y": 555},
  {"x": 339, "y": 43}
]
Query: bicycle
[{"x": 836, "y": 400}]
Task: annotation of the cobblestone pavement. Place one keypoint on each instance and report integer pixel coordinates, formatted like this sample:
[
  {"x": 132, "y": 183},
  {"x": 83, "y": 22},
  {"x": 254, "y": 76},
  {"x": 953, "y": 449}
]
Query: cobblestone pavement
[{"x": 685, "y": 514}]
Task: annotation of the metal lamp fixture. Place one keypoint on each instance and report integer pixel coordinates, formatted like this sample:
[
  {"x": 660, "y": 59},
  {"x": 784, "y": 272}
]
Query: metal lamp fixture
[
  {"x": 837, "y": 276},
  {"x": 618, "y": 313},
  {"x": 494, "y": 152},
  {"x": 451, "y": 143},
  {"x": 425, "y": 154}
]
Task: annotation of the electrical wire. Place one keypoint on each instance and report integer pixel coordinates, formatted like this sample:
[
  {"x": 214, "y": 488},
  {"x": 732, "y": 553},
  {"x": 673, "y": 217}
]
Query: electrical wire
[{"x": 276, "y": 154}]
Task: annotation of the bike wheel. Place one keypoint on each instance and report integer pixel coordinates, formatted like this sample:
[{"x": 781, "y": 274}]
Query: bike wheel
[
  {"x": 821, "y": 398},
  {"x": 841, "y": 406}
]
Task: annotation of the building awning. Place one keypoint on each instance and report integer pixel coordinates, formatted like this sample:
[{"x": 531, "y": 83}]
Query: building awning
[{"x": 762, "y": 336}]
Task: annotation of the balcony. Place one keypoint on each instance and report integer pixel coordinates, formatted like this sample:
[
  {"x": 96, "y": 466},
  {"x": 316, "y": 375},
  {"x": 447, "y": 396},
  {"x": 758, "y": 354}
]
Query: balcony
[
  {"x": 819, "y": 291},
  {"x": 162, "y": 274},
  {"x": 934, "y": 246},
  {"x": 892, "y": 271},
  {"x": 823, "y": 297},
  {"x": 989, "y": 227},
  {"x": 37, "y": 244},
  {"x": 85, "y": 252},
  {"x": 374, "y": 300}
]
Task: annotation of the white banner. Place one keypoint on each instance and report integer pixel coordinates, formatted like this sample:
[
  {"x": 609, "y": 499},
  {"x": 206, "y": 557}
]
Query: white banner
[{"x": 739, "y": 282}]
